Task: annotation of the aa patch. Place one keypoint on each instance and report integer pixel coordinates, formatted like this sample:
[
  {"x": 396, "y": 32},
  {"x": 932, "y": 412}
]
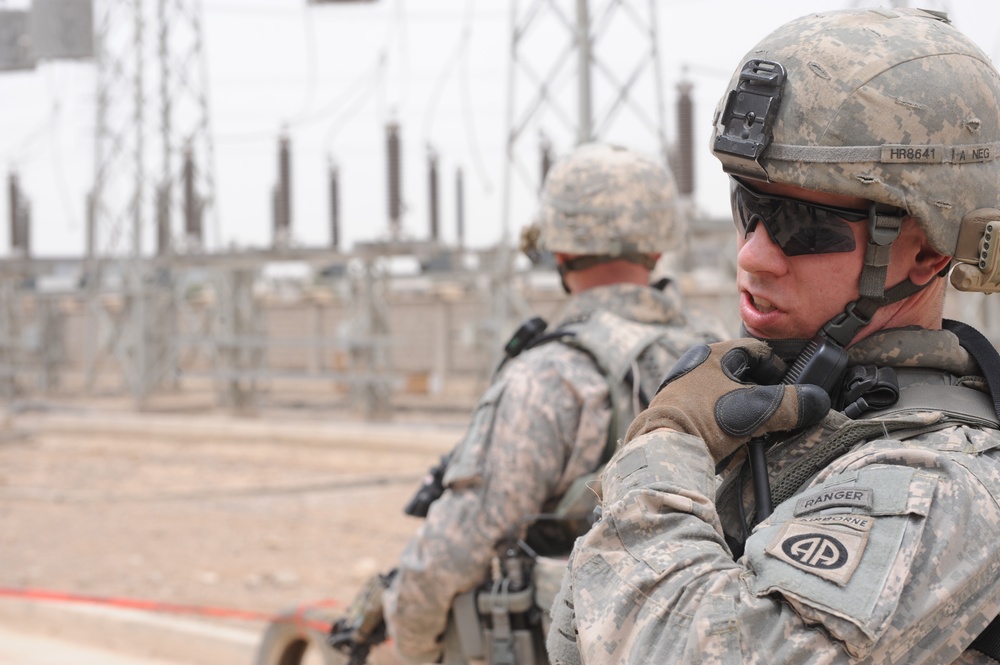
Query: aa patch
[{"x": 828, "y": 546}]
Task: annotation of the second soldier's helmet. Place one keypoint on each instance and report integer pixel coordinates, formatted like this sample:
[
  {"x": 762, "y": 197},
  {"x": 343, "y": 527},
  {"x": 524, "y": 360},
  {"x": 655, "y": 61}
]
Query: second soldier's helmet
[
  {"x": 890, "y": 105},
  {"x": 604, "y": 200}
]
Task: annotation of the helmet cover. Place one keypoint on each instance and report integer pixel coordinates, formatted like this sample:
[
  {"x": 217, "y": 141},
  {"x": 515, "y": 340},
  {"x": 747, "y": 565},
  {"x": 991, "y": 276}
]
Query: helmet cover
[{"x": 608, "y": 201}]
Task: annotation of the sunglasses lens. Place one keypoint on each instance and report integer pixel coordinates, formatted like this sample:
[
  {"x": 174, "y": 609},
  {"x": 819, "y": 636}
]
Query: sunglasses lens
[{"x": 795, "y": 226}]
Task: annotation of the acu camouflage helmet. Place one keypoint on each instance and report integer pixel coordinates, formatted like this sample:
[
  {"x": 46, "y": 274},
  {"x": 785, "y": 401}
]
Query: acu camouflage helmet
[
  {"x": 891, "y": 105},
  {"x": 604, "y": 200}
]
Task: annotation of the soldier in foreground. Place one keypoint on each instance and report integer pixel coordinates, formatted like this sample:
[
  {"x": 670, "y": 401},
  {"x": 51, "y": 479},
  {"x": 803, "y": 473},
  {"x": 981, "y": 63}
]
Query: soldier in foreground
[
  {"x": 555, "y": 411},
  {"x": 856, "y": 430}
]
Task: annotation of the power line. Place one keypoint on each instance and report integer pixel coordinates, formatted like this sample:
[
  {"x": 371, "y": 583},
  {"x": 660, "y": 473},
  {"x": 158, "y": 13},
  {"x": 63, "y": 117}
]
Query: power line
[
  {"x": 460, "y": 59},
  {"x": 400, "y": 22},
  {"x": 374, "y": 82},
  {"x": 17, "y": 151},
  {"x": 310, "y": 46},
  {"x": 371, "y": 76},
  {"x": 59, "y": 173},
  {"x": 469, "y": 119},
  {"x": 445, "y": 75}
]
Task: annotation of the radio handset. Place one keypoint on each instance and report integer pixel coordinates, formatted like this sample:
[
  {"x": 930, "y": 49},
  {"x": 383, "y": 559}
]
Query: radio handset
[{"x": 821, "y": 363}]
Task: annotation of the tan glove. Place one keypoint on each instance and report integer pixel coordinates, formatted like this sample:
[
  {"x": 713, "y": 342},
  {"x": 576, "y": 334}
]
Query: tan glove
[{"x": 727, "y": 393}]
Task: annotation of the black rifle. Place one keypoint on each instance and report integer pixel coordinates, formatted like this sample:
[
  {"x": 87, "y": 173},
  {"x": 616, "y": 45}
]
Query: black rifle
[
  {"x": 431, "y": 487},
  {"x": 341, "y": 639},
  {"x": 363, "y": 626}
]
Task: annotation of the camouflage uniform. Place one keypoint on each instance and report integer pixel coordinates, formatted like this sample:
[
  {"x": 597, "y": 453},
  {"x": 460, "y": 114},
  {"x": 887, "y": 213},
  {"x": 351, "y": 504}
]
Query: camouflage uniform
[
  {"x": 540, "y": 425},
  {"x": 883, "y": 545},
  {"x": 913, "y": 577}
]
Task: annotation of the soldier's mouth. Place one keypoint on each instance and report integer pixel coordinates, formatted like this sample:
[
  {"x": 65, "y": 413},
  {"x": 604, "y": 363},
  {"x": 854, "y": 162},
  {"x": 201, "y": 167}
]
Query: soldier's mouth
[{"x": 761, "y": 305}]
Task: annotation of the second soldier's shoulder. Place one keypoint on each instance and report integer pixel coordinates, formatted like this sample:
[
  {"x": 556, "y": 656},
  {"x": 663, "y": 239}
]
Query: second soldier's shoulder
[
  {"x": 692, "y": 329},
  {"x": 554, "y": 354},
  {"x": 555, "y": 361},
  {"x": 668, "y": 310}
]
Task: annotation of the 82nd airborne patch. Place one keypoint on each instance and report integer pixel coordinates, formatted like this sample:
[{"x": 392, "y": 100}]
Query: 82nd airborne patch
[{"x": 828, "y": 546}]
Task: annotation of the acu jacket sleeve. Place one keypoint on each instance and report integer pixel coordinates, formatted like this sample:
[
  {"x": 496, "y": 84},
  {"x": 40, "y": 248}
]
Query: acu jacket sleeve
[
  {"x": 874, "y": 563},
  {"x": 512, "y": 460}
]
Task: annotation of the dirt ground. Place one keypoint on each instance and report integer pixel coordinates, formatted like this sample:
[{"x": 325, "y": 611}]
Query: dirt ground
[{"x": 207, "y": 510}]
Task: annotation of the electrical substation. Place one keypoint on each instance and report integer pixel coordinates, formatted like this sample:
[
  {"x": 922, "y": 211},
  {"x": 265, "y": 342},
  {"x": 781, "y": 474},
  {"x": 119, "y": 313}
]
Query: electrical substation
[{"x": 151, "y": 305}]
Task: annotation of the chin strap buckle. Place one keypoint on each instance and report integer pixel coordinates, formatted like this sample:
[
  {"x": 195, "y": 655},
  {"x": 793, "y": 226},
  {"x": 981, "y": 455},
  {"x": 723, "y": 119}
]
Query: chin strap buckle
[{"x": 843, "y": 327}]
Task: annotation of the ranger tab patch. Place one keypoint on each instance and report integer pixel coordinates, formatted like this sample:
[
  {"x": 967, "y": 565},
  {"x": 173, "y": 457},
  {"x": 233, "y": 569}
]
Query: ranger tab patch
[
  {"x": 837, "y": 497},
  {"x": 828, "y": 546}
]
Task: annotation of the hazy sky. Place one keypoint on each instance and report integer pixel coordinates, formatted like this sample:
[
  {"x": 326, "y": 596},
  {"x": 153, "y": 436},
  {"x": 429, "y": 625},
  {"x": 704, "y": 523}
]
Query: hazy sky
[{"x": 335, "y": 75}]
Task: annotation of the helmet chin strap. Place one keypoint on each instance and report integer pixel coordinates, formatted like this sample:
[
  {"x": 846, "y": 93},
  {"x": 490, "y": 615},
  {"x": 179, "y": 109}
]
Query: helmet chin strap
[
  {"x": 883, "y": 229},
  {"x": 562, "y": 270}
]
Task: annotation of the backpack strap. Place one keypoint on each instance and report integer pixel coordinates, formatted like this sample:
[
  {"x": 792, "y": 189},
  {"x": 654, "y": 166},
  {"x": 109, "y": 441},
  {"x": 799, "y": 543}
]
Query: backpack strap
[
  {"x": 615, "y": 344},
  {"x": 985, "y": 354},
  {"x": 973, "y": 341},
  {"x": 988, "y": 642}
]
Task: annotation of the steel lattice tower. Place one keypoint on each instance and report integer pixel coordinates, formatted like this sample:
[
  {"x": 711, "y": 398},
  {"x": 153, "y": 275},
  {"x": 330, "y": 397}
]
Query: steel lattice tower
[
  {"x": 148, "y": 57},
  {"x": 568, "y": 91}
]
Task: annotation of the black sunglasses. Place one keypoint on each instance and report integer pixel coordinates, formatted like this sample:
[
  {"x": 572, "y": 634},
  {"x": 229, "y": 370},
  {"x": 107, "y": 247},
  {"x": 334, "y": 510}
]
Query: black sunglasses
[{"x": 796, "y": 226}]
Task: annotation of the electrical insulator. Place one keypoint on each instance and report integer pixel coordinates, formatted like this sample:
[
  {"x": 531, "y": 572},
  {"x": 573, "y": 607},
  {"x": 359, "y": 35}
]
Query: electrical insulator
[
  {"x": 163, "y": 219},
  {"x": 276, "y": 213},
  {"x": 684, "y": 169},
  {"x": 25, "y": 223},
  {"x": 284, "y": 189},
  {"x": 334, "y": 207},
  {"x": 432, "y": 198},
  {"x": 20, "y": 218},
  {"x": 460, "y": 207},
  {"x": 546, "y": 161},
  {"x": 192, "y": 202},
  {"x": 91, "y": 225},
  {"x": 394, "y": 176},
  {"x": 13, "y": 203}
]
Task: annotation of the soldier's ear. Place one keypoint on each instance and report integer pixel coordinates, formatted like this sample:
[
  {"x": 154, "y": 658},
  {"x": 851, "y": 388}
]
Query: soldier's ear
[
  {"x": 929, "y": 265},
  {"x": 917, "y": 260},
  {"x": 927, "y": 261}
]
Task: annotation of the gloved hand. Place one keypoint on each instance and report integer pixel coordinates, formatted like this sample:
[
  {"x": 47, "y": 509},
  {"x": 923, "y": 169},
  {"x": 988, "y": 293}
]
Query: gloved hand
[
  {"x": 727, "y": 393},
  {"x": 363, "y": 626}
]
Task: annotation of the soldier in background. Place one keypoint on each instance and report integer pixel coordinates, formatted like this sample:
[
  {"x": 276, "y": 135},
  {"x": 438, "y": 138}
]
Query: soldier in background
[
  {"x": 863, "y": 148},
  {"x": 555, "y": 411}
]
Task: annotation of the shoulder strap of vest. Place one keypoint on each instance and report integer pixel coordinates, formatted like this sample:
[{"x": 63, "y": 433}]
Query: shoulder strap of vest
[
  {"x": 973, "y": 341},
  {"x": 988, "y": 642},
  {"x": 528, "y": 335},
  {"x": 615, "y": 344},
  {"x": 614, "y": 341},
  {"x": 985, "y": 354}
]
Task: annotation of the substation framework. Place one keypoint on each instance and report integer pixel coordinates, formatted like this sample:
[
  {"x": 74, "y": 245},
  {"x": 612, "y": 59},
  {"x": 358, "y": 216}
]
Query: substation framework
[{"x": 153, "y": 202}]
